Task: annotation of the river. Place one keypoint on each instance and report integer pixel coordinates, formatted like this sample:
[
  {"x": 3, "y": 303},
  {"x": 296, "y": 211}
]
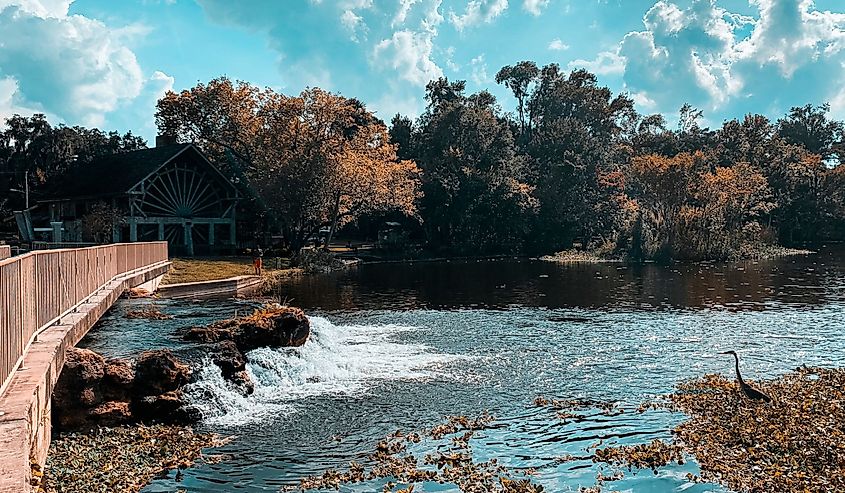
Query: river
[{"x": 400, "y": 346}]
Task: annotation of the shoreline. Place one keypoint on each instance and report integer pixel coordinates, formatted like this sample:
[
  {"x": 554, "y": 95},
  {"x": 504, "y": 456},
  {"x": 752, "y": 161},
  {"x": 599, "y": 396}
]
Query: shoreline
[{"x": 769, "y": 252}]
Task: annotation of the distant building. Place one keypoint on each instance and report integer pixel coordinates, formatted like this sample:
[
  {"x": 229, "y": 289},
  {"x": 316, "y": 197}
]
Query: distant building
[{"x": 170, "y": 192}]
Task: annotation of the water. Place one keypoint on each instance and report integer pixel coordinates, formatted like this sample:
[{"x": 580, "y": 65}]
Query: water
[{"x": 400, "y": 346}]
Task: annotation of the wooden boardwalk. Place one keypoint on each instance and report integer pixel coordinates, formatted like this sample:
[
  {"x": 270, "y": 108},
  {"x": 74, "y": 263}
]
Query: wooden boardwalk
[{"x": 48, "y": 301}]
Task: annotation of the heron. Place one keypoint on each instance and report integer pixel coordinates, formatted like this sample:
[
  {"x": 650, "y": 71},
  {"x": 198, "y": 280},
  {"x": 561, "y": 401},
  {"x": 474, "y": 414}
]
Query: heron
[{"x": 749, "y": 391}]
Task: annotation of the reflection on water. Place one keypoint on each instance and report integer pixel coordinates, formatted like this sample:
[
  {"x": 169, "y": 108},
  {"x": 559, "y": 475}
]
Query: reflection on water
[
  {"x": 504, "y": 283},
  {"x": 399, "y": 347}
]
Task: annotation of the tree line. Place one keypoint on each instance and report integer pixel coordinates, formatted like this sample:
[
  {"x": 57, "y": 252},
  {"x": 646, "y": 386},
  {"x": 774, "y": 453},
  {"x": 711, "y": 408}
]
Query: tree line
[{"x": 574, "y": 165}]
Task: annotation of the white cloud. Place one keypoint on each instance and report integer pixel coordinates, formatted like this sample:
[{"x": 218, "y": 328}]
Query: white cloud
[
  {"x": 428, "y": 14},
  {"x": 606, "y": 63},
  {"x": 356, "y": 4},
  {"x": 39, "y": 8},
  {"x": 450, "y": 59},
  {"x": 353, "y": 23},
  {"x": 11, "y": 101},
  {"x": 535, "y": 7},
  {"x": 558, "y": 45},
  {"x": 478, "y": 11},
  {"x": 479, "y": 70},
  {"x": 79, "y": 69},
  {"x": 789, "y": 54},
  {"x": 409, "y": 54},
  {"x": 402, "y": 13}
]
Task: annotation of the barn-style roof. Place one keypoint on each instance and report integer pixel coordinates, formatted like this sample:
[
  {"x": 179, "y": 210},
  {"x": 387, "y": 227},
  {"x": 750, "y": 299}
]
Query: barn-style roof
[{"x": 117, "y": 174}]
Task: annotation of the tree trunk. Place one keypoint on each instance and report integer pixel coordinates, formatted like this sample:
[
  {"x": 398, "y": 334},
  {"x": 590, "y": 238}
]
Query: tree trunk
[{"x": 335, "y": 212}]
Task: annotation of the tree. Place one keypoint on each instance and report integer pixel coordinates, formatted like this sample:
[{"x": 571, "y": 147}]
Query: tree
[
  {"x": 476, "y": 194},
  {"x": 575, "y": 141},
  {"x": 809, "y": 127},
  {"x": 518, "y": 78},
  {"x": 98, "y": 224},
  {"x": 315, "y": 160},
  {"x": 31, "y": 148},
  {"x": 662, "y": 187}
]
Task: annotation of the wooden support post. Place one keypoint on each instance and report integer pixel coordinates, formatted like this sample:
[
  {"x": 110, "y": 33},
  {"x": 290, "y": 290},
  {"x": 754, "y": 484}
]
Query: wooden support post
[
  {"x": 188, "y": 238},
  {"x": 133, "y": 230},
  {"x": 160, "y": 231},
  {"x": 210, "y": 234},
  {"x": 232, "y": 238},
  {"x": 57, "y": 231}
]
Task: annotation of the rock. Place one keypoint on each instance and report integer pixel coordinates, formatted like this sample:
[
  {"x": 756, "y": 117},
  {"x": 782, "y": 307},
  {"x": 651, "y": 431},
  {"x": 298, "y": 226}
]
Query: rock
[
  {"x": 229, "y": 358},
  {"x": 89, "y": 397},
  {"x": 94, "y": 391},
  {"x": 208, "y": 334},
  {"x": 232, "y": 364},
  {"x": 111, "y": 413},
  {"x": 82, "y": 367},
  {"x": 162, "y": 408},
  {"x": 242, "y": 382},
  {"x": 272, "y": 327},
  {"x": 158, "y": 372},
  {"x": 118, "y": 379},
  {"x": 78, "y": 387},
  {"x": 138, "y": 293}
]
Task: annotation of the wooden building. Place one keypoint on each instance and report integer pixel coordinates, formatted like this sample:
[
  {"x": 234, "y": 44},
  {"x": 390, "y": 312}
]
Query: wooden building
[{"x": 169, "y": 192}]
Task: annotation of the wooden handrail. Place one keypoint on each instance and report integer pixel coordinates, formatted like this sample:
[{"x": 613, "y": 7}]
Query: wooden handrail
[{"x": 39, "y": 287}]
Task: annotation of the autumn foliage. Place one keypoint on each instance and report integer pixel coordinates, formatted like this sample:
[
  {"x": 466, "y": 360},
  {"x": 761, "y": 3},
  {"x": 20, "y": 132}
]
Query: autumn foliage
[{"x": 315, "y": 159}]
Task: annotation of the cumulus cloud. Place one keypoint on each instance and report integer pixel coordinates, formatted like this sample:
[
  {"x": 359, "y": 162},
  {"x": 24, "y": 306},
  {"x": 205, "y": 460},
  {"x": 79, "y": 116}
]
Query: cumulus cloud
[
  {"x": 558, "y": 45},
  {"x": 478, "y": 11},
  {"x": 40, "y": 8},
  {"x": 79, "y": 69},
  {"x": 701, "y": 53},
  {"x": 535, "y": 7},
  {"x": 11, "y": 101},
  {"x": 409, "y": 54}
]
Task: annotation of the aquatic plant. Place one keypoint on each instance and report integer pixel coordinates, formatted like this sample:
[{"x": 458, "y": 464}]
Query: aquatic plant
[
  {"x": 121, "y": 459},
  {"x": 794, "y": 444}
]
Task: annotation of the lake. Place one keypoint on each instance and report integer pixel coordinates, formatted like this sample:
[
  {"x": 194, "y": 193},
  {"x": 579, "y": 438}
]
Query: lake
[{"x": 400, "y": 346}]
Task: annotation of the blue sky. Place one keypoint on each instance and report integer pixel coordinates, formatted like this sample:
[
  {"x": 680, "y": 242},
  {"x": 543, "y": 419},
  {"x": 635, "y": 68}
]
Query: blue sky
[{"x": 105, "y": 62}]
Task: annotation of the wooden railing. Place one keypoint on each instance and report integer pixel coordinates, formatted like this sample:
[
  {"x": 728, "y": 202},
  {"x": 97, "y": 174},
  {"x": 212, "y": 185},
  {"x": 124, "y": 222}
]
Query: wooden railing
[
  {"x": 38, "y": 288},
  {"x": 5, "y": 251}
]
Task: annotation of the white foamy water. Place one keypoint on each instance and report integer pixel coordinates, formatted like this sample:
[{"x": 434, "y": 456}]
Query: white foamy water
[{"x": 337, "y": 359}]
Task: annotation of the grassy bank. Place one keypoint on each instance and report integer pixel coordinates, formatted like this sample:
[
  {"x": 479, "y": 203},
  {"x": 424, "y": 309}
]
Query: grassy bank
[{"x": 211, "y": 268}]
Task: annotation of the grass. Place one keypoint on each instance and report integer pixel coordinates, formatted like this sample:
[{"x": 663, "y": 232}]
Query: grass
[{"x": 211, "y": 268}]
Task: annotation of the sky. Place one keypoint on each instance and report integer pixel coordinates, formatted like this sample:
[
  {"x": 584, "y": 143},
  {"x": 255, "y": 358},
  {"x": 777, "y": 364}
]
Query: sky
[{"x": 104, "y": 63}]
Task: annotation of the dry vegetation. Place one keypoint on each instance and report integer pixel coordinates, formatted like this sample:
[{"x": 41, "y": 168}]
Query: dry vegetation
[
  {"x": 208, "y": 269},
  {"x": 121, "y": 459},
  {"x": 794, "y": 444}
]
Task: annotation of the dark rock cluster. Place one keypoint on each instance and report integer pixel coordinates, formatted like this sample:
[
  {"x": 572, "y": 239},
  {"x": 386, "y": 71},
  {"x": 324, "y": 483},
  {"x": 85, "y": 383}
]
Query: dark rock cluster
[
  {"x": 93, "y": 390},
  {"x": 274, "y": 326}
]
